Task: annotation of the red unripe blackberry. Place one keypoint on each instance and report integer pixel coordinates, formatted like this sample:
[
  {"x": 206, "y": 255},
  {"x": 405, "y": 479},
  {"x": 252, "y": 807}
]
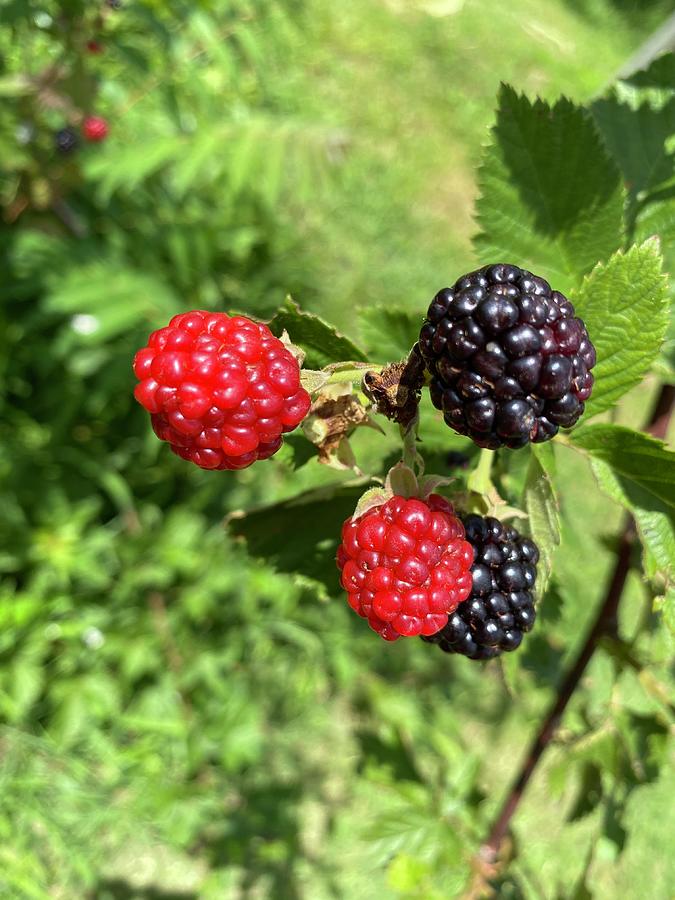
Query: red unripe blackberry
[
  {"x": 510, "y": 362},
  {"x": 95, "y": 129},
  {"x": 405, "y": 565},
  {"x": 500, "y": 608},
  {"x": 220, "y": 390}
]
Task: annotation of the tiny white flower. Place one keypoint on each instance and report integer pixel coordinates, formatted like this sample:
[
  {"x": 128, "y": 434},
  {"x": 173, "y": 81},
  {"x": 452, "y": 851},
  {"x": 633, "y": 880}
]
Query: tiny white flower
[{"x": 93, "y": 638}]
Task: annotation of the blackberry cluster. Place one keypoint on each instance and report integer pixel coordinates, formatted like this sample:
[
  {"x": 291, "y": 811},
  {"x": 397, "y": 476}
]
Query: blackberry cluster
[
  {"x": 500, "y": 608},
  {"x": 510, "y": 362},
  {"x": 66, "y": 140}
]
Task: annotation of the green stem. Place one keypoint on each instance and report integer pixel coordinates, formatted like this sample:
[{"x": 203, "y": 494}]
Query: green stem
[
  {"x": 411, "y": 457},
  {"x": 480, "y": 479},
  {"x": 354, "y": 375}
]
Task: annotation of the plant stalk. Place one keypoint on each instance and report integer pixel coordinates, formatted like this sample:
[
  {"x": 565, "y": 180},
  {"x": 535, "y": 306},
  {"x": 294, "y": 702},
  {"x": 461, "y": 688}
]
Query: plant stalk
[{"x": 605, "y": 625}]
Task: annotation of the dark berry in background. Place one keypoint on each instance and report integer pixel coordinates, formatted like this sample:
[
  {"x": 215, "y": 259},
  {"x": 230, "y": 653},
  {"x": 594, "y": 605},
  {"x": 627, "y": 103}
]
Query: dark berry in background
[
  {"x": 500, "y": 608},
  {"x": 509, "y": 360},
  {"x": 66, "y": 140}
]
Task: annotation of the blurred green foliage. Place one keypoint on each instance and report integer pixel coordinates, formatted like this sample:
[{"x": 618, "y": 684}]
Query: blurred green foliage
[{"x": 180, "y": 720}]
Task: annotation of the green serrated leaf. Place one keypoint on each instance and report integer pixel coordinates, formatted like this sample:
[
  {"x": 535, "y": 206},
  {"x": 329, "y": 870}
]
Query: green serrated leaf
[
  {"x": 113, "y": 298},
  {"x": 654, "y": 519},
  {"x": 322, "y": 343},
  {"x": 312, "y": 520},
  {"x": 551, "y": 198},
  {"x": 636, "y": 139},
  {"x": 625, "y": 307},
  {"x": 390, "y": 333},
  {"x": 632, "y": 455},
  {"x": 660, "y": 74},
  {"x": 541, "y": 504}
]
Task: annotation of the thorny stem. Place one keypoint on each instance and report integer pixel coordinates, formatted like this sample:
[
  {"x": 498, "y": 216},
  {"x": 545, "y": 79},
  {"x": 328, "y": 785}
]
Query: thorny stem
[{"x": 604, "y": 626}]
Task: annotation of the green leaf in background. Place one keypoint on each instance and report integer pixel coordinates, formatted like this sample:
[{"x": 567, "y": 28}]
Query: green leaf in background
[
  {"x": 634, "y": 456},
  {"x": 649, "y": 823},
  {"x": 322, "y": 343},
  {"x": 542, "y": 507},
  {"x": 658, "y": 218},
  {"x": 389, "y": 333},
  {"x": 660, "y": 74},
  {"x": 314, "y": 519},
  {"x": 550, "y": 197},
  {"x": 625, "y": 306},
  {"x": 107, "y": 299},
  {"x": 653, "y": 513},
  {"x": 654, "y": 519},
  {"x": 636, "y": 138}
]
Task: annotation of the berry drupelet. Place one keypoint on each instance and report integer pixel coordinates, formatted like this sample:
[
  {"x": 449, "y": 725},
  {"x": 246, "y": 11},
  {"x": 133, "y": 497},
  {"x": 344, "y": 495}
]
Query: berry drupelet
[
  {"x": 405, "y": 565},
  {"x": 220, "y": 390},
  {"x": 509, "y": 361},
  {"x": 500, "y": 608}
]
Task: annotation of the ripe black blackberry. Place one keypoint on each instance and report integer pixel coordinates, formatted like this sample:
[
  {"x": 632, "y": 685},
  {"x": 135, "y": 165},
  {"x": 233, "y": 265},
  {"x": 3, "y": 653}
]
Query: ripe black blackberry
[
  {"x": 66, "y": 140},
  {"x": 510, "y": 362},
  {"x": 500, "y": 608}
]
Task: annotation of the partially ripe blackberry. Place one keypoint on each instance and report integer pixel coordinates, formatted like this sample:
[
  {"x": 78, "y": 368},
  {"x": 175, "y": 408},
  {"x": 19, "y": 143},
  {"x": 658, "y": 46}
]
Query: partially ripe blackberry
[
  {"x": 66, "y": 140},
  {"x": 405, "y": 565},
  {"x": 500, "y": 608},
  {"x": 510, "y": 362},
  {"x": 220, "y": 390}
]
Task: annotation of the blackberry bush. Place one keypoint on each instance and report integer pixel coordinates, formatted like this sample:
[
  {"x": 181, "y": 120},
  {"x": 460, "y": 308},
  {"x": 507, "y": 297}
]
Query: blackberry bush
[
  {"x": 509, "y": 361},
  {"x": 500, "y": 607},
  {"x": 195, "y": 687}
]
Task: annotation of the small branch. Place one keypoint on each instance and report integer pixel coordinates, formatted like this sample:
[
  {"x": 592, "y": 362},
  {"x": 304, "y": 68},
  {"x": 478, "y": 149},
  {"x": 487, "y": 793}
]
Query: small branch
[
  {"x": 160, "y": 620},
  {"x": 660, "y": 419},
  {"x": 604, "y": 626},
  {"x": 72, "y": 222}
]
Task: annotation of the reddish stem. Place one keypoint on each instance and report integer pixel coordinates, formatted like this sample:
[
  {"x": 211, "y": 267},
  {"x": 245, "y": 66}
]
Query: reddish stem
[{"x": 604, "y": 625}]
